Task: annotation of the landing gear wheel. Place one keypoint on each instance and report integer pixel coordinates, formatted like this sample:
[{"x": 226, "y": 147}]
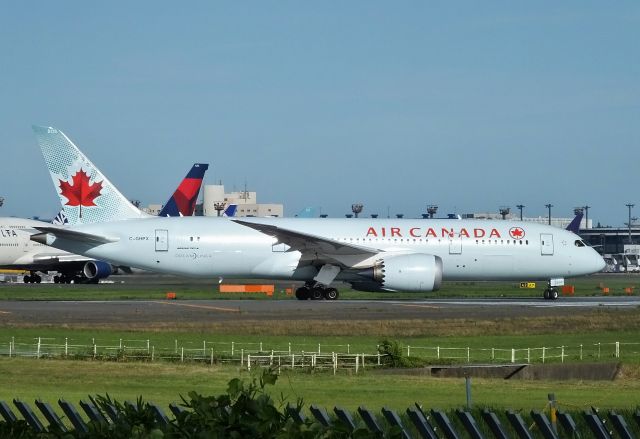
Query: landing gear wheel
[
  {"x": 553, "y": 294},
  {"x": 37, "y": 279},
  {"x": 546, "y": 294},
  {"x": 26, "y": 279},
  {"x": 331, "y": 294},
  {"x": 56, "y": 279},
  {"x": 317, "y": 293},
  {"x": 302, "y": 293}
]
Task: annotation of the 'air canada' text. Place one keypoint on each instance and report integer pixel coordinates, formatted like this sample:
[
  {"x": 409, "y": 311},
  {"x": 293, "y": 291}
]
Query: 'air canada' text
[{"x": 419, "y": 232}]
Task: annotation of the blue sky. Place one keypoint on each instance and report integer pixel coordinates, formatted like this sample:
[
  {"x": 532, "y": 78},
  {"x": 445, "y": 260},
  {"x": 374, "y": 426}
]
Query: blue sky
[{"x": 469, "y": 105}]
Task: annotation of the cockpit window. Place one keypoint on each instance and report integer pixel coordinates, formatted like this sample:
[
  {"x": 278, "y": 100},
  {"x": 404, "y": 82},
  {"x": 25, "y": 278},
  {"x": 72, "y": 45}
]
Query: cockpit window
[{"x": 579, "y": 243}]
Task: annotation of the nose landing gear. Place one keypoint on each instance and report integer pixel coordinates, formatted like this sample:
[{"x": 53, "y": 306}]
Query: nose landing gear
[{"x": 550, "y": 293}]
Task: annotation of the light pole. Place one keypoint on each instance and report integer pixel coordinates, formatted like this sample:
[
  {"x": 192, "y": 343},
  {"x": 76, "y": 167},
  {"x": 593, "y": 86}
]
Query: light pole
[
  {"x": 356, "y": 209},
  {"x": 219, "y": 207},
  {"x": 520, "y": 207},
  {"x": 629, "y": 224},
  {"x": 549, "y": 206},
  {"x": 586, "y": 216}
]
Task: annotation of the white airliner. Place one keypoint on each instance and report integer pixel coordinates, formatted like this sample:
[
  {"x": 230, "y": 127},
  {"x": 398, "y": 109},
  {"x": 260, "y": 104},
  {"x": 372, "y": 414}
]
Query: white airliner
[
  {"x": 18, "y": 252},
  {"x": 370, "y": 254}
]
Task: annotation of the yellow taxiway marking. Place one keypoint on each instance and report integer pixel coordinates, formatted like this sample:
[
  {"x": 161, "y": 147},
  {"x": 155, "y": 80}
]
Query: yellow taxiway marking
[
  {"x": 418, "y": 306},
  {"x": 214, "y": 308}
]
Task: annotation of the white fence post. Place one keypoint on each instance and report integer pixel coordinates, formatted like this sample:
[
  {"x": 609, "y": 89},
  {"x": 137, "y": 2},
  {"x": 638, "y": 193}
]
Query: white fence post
[
  {"x": 357, "y": 361},
  {"x": 580, "y": 352},
  {"x": 10, "y": 347},
  {"x": 528, "y": 355},
  {"x": 617, "y": 349},
  {"x": 66, "y": 347},
  {"x": 182, "y": 354},
  {"x": 211, "y": 356},
  {"x": 493, "y": 354},
  {"x": 408, "y": 351},
  {"x": 318, "y": 347},
  {"x": 543, "y": 352},
  {"x": 241, "y": 357},
  {"x": 468, "y": 354},
  {"x": 95, "y": 349},
  {"x": 293, "y": 361},
  {"x": 513, "y": 355},
  {"x": 148, "y": 346},
  {"x": 438, "y": 352},
  {"x": 598, "y": 350},
  {"x": 378, "y": 358},
  {"x": 562, "y": 354},
  {"x": 289, "y": 348},
  {"x": 232, "y": 347},
  {"x": 335, "y": 362},
  {"x": 248, "y": 361},
  {"x": 260, "y": 346},
  {"x": 176, "y": 346},
  {"x": 153, "y": 353},
  {"x": 38, "y": 352},
  {"x": 204, "y": 348},
  {"x": 348, "y": 347}
]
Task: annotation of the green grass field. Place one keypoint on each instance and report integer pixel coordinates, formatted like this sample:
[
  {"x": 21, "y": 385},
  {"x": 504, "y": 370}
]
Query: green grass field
[{"x": 162, "y": 383}]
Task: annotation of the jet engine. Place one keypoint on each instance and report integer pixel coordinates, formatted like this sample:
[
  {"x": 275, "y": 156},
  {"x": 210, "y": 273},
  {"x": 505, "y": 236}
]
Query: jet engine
[
  {"x": 410, "y": 272},
  {"x": 95, "y": 270}
]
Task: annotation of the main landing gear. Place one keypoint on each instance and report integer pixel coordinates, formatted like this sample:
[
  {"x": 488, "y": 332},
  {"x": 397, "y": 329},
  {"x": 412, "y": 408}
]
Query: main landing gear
[
  {"x": 66, "y": 279},
  {"x": 316, "y": 292},
  {"x": 32, "y": 278},
  {"x": 550, "y": 293}
]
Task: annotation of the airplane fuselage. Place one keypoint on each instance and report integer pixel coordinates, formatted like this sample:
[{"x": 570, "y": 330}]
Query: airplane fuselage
[{"x": 211, "y": 247}]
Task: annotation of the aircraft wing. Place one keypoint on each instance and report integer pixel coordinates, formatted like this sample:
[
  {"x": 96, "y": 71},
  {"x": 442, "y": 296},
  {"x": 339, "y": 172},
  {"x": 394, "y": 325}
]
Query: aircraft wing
[
  {"x": 71, "y": 235},
  {"x": 308, "y": 243}
]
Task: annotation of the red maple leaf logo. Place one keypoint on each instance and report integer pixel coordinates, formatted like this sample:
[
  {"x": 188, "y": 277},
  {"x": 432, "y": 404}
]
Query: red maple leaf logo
[
  {"x": 516, "y": 233},
  {"x": 80, "y": 192}
]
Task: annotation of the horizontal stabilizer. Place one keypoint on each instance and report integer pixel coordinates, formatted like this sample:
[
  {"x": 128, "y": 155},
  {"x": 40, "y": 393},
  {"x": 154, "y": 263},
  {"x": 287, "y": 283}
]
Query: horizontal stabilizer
[{"x": 71, "y": 235}]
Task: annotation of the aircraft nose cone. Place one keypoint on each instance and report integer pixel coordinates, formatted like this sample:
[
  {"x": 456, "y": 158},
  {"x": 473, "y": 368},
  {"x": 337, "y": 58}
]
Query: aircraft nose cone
[{"x": 598, "y": 263}]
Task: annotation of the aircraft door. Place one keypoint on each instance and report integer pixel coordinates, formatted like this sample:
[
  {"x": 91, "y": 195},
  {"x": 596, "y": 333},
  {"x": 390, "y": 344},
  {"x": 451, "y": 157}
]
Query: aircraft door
[
  {"x": 455, "y": 245},
  {"x": 546, "y": 243},
  {"x": 162, "y": 240}
]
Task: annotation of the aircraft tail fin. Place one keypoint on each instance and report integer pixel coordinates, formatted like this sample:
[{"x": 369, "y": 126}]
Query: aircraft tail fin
[
  {"x": 86, "y": 195},
  {"x": 60, "y": 219},
  {"x": 183, "y": 201},
  {"x": 574, "y": 225},
  {"x": 230, "y": 211}
]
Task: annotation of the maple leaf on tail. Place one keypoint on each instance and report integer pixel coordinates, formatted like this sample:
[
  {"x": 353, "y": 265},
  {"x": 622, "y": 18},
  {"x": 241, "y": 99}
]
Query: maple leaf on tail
[{"x": 80, "y": 192}]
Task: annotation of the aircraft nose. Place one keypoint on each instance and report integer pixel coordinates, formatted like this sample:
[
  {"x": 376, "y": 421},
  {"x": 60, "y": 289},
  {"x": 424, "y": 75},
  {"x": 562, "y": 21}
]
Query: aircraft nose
[{"x": 598, "y": 262}]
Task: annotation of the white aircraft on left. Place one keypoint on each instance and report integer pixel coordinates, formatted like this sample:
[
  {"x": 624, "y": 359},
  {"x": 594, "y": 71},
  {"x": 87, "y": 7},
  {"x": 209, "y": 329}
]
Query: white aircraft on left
[{"x": 18, "y": 252}]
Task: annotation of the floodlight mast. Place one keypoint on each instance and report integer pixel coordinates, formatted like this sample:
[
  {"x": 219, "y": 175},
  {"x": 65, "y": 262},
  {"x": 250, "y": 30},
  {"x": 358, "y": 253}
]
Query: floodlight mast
[
  {"x": 504, "y": 211},
  {"x": 219, "y": 207},
  {"x": 356, "y": 208}
]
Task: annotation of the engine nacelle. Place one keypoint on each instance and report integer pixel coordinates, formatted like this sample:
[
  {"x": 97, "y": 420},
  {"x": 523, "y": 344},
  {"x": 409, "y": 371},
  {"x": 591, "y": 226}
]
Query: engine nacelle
[
  {"x": 412, "y": 273},
  {"x": 95, "y": 270}
]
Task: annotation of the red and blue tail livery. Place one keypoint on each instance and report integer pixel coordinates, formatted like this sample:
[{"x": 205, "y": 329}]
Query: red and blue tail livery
[{"x": 183, "y": 200}]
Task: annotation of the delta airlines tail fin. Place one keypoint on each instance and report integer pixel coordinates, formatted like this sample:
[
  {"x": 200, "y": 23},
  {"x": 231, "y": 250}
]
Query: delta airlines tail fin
[
  {"x": 86, "y": 195},
  {"x": 183, "y": 200},
  {"x": 230, "y": 211},
  {"x": 574, "y": 225}
]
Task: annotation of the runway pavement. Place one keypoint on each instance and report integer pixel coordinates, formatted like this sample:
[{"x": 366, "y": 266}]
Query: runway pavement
[{"x": 206, "y": 311}]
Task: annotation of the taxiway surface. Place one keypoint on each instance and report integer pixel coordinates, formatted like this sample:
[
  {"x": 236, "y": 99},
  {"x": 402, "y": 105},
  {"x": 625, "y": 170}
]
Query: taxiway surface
[{"x": 140, "y": 312}]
